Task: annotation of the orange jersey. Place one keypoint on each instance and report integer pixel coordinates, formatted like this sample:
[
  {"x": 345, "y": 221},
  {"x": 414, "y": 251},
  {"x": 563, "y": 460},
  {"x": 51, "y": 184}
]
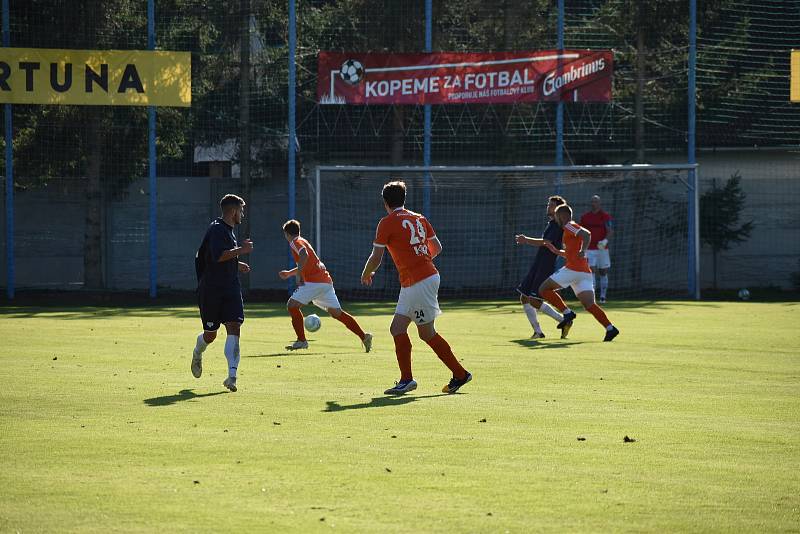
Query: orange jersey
[
  {"x": 572, "y": 245},
  {"x": 314, "y": 270},
  {"x": 406, "y": 235}
]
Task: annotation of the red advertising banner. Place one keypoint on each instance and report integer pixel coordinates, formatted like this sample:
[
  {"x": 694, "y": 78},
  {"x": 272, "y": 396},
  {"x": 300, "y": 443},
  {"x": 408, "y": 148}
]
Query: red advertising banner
[{"x": 465, "y": 78}]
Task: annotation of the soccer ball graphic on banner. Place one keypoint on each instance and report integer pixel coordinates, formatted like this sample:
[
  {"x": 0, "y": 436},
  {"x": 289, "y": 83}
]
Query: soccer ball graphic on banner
[
  {"x": 352, "y": 71},
  {"x": 744, "y": 294},
  {"x": 312, "y": 322}
]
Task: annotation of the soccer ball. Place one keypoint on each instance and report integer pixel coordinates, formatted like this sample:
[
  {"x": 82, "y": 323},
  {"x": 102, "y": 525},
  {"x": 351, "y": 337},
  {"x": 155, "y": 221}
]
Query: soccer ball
[
  {"x": 744, "y": 294},
  {"x": 312, "y": 322},
  {"x": 352, "y": 71}
]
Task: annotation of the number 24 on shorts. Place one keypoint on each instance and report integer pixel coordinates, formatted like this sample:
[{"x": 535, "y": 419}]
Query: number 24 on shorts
[{"x": 420, "y": 315}]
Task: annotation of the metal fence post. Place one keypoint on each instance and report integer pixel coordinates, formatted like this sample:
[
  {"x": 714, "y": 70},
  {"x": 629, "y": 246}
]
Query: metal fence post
[
  {"x": 426, "y": 149},
  {"x": 291, "y": 118},
  {"x": 151, "y": 162},
  {"x": 560, "y": 104},
  {"x": 694, "y": 183},
  {"x": 9, "y": 136}
]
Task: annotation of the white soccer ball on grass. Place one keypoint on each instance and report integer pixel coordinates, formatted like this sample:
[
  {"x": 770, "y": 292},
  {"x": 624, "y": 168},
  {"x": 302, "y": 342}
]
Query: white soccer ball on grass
[
  {"x": 744, "y": 294},
  {"x": 312, "y": 322}
]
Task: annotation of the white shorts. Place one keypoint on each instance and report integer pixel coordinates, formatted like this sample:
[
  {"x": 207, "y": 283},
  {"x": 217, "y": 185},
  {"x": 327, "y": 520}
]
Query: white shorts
[
  {"x": 599, "y": 258},
  {"x": 420, "y": 302},
  {"x": 322, "y": 295},
  {"x": 577, "y": 280}
]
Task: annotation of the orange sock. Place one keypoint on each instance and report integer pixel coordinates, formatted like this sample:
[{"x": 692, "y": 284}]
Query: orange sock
[
  {"x": 297, "y": 323},
  {"x": 351, "y": 324},
  {"x": 555, "y": 299},
  {"x": 599, "y": 314},
  {"x": 445, "y": 353},
  {"x": 402, "y": 347}
]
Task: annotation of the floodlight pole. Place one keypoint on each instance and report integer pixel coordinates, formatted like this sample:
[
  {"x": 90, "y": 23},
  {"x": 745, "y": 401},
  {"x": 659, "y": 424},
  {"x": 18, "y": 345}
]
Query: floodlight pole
[
  {"x": 560, "y": 104},
  {"x": 694, "y": 183},
  {"x": 426, "y": 148},
  {"x": 9, "y": 135},
  {"x": 151, "y": 161}
]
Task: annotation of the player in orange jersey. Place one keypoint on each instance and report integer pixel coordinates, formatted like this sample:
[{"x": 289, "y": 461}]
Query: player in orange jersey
[
  {"x": 314, "y": 284},
  {"x": 413, "y": 245},
  {"x": 575, "y": 273}
]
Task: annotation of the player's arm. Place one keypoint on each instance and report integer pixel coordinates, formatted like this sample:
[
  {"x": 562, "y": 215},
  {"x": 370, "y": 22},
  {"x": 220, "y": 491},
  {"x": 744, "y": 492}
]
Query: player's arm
[
  {"x": 522, "y": 239},
  {"x": 285, "y": 275},
  {"x": 434, "y": 246},
  {"x": 243, "y": 267},
  {"x": 609, "y": 228},
  {"x": 586, "y": 237},
  {"x": 219, "y": 239},
  {"x": 302, "y": 259},
  {"x": 373, "y": 262}
]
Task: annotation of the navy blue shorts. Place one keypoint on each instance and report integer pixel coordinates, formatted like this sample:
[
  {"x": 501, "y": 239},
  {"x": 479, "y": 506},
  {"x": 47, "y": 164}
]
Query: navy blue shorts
[
  {"x": 530, "y": 284},
  {"x": 219, "y": 306}
]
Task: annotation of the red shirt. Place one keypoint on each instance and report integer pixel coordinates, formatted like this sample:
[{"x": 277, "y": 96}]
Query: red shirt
[
  {"x": 572, "y": 245},
  {"x": 405, "y": 234},
  {"x": 314, "y": 270},
  {"x": 598, "y": 224}
]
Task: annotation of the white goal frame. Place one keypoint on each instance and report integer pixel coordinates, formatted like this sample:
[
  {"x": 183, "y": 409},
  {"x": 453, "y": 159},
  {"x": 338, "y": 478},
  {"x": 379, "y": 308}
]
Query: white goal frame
[{"x": 691, "y": 184}]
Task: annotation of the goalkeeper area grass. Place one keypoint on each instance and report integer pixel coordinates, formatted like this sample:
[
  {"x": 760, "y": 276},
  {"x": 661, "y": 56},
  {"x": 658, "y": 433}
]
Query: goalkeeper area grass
[{"x": 105, "y": 429}]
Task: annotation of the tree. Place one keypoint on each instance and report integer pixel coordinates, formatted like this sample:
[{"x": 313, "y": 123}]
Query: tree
[{"x": 720, "y": 211}]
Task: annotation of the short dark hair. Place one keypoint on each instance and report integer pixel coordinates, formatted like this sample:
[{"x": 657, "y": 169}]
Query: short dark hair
[
  {"x": 394, "y": 193},
  {"x": 292, "y": 227},
  {"x": 557, "y": 199},
  {"x": 566, "y": 208},
  {"x": 229, "y": 201}
]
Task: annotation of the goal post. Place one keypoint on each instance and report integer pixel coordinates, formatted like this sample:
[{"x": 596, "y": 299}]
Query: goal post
[{"x": 477, "y": 210}]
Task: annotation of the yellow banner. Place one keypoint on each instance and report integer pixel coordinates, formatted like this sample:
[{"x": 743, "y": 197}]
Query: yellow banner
[
  {"x": 795, "y": 79},
  {"x": 95, "y": 77}
]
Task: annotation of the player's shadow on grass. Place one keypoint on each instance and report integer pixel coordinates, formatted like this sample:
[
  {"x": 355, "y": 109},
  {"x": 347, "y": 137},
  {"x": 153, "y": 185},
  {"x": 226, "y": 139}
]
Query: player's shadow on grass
[
  {"x": 379, "y": 402},
  {"x": 182, "y": 395},
  {"x": 536, "y": 344}
]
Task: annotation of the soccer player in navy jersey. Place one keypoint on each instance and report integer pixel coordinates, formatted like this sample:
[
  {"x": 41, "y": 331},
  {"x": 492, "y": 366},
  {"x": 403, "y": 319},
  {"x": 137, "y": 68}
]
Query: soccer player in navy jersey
[
  {"x": 543, "y": 266},
  {"x": 218, "y": 291}
]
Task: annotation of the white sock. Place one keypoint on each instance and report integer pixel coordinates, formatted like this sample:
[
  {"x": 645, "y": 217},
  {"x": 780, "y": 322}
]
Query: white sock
[
  {"x": 232, "y": 354},
  {"x": 603, "y": 286},
  {"x": 550, "y": 311},
  {"x": 530, "y": 311},
  {"x": 201, "y": 345},
  {"x": 610, "y": 327},
  {"x": 566, "y": 311}
]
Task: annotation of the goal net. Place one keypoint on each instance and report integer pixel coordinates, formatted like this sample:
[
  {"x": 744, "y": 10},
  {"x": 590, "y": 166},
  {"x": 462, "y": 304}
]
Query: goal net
[{"x": 476, "y": 212}]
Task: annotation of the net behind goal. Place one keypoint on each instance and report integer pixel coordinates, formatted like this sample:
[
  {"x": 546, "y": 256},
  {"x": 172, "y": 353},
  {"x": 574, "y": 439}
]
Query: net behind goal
[{"x": 476, "y": 212}]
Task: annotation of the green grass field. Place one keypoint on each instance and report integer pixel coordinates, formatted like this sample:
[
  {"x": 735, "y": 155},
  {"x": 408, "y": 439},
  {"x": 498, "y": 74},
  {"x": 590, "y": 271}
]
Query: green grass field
[{"x": 102, "y": 426}]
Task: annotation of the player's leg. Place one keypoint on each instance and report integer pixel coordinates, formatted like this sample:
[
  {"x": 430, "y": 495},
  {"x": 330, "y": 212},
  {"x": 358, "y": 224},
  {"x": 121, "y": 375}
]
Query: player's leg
[
  {"x": 547, "y": 290},
  {"x": 585, "y": 293},
  {"x": 427, "y": 333},
  {"x": 329, "y": 302},
  {"x": 233, "y": 329},
  {"x": 530, "y": 313},
  {"x": 424, "y": 307},
  {"x": 209, "y": 304},
  {"x": 402, "y": 349},
  {"x": 603, "y": 265},
  {"x": 232, "y": 317},
  {"x": 525, "y": 288},
  {"x": 294, "y": 306},
  {"x": 537, "y": 301}
]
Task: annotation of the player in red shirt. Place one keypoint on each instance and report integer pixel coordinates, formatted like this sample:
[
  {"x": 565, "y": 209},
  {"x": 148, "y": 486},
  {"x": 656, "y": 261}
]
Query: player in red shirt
[
  {"x": 601, "y": 226},
  {"x": 413, "y": 245},
  {"x": 314, "y": 284},
  {"x": 575, "y": 273}
]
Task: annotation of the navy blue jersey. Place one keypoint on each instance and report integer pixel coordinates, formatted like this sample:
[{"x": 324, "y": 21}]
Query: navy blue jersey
[
  {"x": 210, "y": 272},
  {"x": 545, "y": 260}
]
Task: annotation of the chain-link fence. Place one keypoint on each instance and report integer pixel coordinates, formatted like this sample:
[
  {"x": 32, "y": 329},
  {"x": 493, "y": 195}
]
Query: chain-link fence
[{"x": 81, "y": 193}]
